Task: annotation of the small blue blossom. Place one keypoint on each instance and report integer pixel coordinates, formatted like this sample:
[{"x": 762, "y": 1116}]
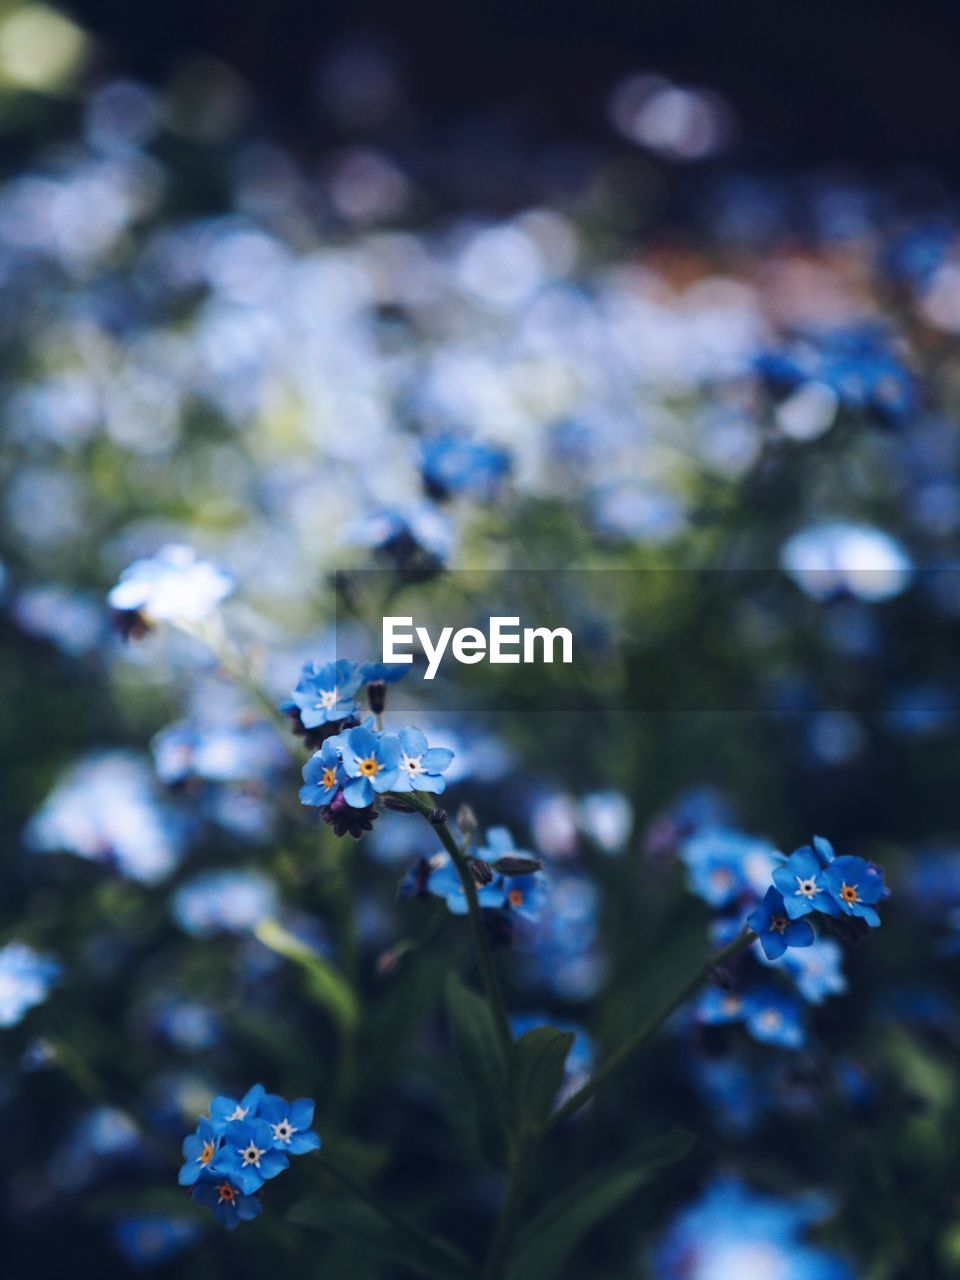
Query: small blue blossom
[
  {"x": 774, "y": 928},
  {"x": 774, "y": 1017},
  {"x": 229, "y": 1203},
  {"x": 371, "y": 762},
  {"x": 289, "y": 1123},
  {"x": 526, "y": 896},
  {"x": 724, "y": 865},
  {"x": 248, "y": 1155},
  {"x": 419, "y": 765},
  {"x": 325, "y": 693},
  {"x": 453, "y": 465},
  {"x": 223, "y": 902},
  {"x": 323, "y": 775},
  {"x": 716, "y": 1007},
  {"x": 817, "y": 972},
  {"x": 200, "y": 1151},
  {"x": 224, "y": 1110},
  {"x": 856, "y": 886},
  {"x": 801, "y": 880}
]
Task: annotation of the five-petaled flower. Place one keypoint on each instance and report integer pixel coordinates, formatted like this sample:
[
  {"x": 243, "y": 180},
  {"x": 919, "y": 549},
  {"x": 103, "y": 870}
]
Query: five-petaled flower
[
  {"x": 371, "y": 764},
  {"x": 856, "y": 886},
  {"x": 323, "y": 775},
  {"x": 325, "y": 693},
  {"x": 200, "y": 1152},
  {"x": 801, "y": 880},
  {"x": 230, "y": 1204},
  {"x": 290, "y": 1123},
  {"x": 774, "y": 928},
  {"x": 419, "y": 766},
  {"x": 223, "y": 1109},
  {"x": 248, "y": 1154}
]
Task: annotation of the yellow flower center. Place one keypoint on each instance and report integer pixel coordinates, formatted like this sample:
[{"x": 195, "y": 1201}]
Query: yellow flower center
[
  {"x": 370, "y": 767},
  {"x": 849, "y": 893},
  {"x": 515, "y": 897},
  {"x": 226, "y": 1193},
  {"x": 329, "y": 777},
  {"x": 208, "y": 1152}
]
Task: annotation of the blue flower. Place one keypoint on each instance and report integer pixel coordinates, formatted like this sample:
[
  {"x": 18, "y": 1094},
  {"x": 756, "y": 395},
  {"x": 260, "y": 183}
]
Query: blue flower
[
  {"x": 856, "y": 886},
  {"x": 774, "y": 1017},
  {"x": 371, "y": 762},
  {"x": 26, "y": 977},
  {"x": 325, "y": 693},
  {"x": 817, "y": 972},
  {"x": 774, "y": 928},
  {"x": 716, "y": 1007},
  {"x": 526, "y": 896},
  {"x": 224, "y": 1110},
  {"x": 200, "y": 1151},
  {"x": 419, "y": 766},
  {"x": 723, "y": 865},
  {"x": 172, "y": 586},
  {"x": 248, "y": 1155},
  {"x": 150, "y": 1239},
  {"x": 801, "y": 880},
  {"x": 443, "y": 881},
  {"x": 323, "y": 774},
  {"x": 290, "y": 1124},
  {"x": 454, "y": 465},
  {"x": 229, "y": 1203}
]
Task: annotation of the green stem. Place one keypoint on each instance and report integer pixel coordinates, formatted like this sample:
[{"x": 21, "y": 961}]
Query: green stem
[
  {"x": 495, "y": 1266},
  {"x": 488, "y": 973},
  {"x": 648, "y": 1029}
]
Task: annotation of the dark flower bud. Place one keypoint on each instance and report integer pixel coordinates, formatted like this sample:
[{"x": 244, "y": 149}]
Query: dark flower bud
[
  {"x": 517, "y": 865},
  {"x": 467, "y": 820},
  {"x": 377, "y": 696},
  {"x": 481, "y": 871},
  {"x": 438, "y": 817},
  {"x": 130, "y": 623},
  {"x": 346, "y": 820},
  {"x": 720, "y": 977}
]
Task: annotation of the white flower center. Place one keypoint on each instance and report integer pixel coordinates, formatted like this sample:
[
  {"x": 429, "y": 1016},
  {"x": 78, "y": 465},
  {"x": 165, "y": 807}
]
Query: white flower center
[
  {"x": 251, "y": 1155},
  {"x": 327, "y": 699},
  {"x": 411, "y": 763},
  {"x": 807, "y": 888},
  {"x": 283, "y": 1131},
  {"x": 770, "y": 1020},
  {"x": 238, "y": 1113}
]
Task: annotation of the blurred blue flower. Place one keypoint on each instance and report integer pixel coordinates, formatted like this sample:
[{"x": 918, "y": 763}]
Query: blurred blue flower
[
  {"x": 151, "y": 1239},
  {"x": 443, "y": 881},
  {"x": 817, "y": 971},
  {"x": 833, "y": 559},
  {"x": 724, "y": 865},
  {"x": 26, "y": 977},
  {"x": 526, "y": 896},
  {"x": 735, "y": 1233},
  {"x": 454, "y": 465},
  {"x": 223, "y": 901},
  {"x": 774, "y": 1017},
  {"x": 385, "y": 672},
  {"x": 171, "y": 586}
]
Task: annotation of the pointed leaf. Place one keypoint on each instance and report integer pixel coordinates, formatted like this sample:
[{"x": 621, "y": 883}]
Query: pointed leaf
[
  {"x": 483, "y": 1063},
  {"x": 327, "y": 987},
  {"x": 538, "y": 1066},
  {"x": 547, "y": 1242}
]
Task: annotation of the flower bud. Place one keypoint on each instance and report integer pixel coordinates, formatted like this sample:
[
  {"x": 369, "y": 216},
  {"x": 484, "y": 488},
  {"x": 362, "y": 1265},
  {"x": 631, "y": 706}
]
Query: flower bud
[
  {"x": 517, "y": 865},
  {"x": 481, "y": 871},
  {"x": 467, "y": 820}
]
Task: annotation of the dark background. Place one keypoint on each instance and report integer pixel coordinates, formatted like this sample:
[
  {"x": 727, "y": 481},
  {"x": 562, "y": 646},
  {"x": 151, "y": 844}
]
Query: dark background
[{"x": 875, "y": 85}]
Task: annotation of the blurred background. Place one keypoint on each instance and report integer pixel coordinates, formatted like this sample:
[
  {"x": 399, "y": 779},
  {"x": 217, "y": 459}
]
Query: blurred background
[{"x": 374, "y": 307}]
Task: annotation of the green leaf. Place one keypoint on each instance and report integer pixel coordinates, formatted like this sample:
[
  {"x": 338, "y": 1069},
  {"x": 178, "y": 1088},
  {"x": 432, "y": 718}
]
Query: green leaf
[
  {"x": 547, "y": 1242},
  {"x": 538, "y": 1062},
  {"x": 360, "y": 1224},
  {"x": 326, "y": 986},
  {"x": 484, "y": 1065}
]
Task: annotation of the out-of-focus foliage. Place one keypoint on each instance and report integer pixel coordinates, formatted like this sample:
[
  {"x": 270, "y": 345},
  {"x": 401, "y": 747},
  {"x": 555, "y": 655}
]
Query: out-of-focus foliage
[{"x": 734, "y": 426}]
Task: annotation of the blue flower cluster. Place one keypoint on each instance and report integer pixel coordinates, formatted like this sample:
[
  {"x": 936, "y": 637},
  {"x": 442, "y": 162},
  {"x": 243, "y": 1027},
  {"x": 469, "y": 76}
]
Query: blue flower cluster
[
  {"x": 523, "y": 896},
  {"x": 727, "y": 869},
  {"x": 324, "y": 701},
  {"x": 241, "y": 1145},
  {"x": 355, "y": 767}
]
